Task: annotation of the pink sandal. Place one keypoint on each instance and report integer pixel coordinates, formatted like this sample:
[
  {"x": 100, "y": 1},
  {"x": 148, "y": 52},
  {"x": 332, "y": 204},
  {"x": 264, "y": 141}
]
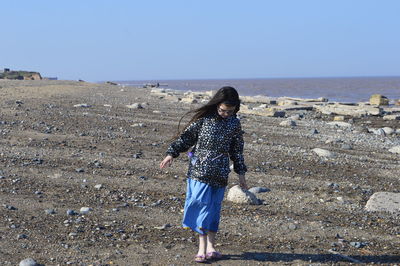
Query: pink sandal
[
  {"x": 215, "y": 255},
  {"x": 200, "y": 258}
]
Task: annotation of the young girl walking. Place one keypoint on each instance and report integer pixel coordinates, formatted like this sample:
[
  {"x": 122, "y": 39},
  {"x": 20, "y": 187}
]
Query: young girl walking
[{"x": 215, "y": 134}]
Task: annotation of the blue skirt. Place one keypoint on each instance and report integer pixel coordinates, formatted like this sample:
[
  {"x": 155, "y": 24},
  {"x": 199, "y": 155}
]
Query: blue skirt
[{"x": 202, "y": 207}]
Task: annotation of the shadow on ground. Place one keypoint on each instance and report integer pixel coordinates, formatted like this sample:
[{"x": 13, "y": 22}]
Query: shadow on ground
[{"x": 323, "y": 258}]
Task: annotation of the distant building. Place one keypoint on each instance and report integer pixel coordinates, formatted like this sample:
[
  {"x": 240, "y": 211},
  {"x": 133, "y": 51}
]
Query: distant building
[{"x": 51, "y": 78}]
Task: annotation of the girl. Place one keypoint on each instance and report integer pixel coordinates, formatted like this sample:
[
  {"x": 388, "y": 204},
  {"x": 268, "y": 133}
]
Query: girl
[{"x": 216, "y": 134}]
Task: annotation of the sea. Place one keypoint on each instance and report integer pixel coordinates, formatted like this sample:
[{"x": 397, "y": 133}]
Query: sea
[{"x": 335, "y": 89}]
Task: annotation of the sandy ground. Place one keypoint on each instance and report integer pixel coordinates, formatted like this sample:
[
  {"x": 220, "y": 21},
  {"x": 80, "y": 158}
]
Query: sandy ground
[{"x": 52, "y": 155}]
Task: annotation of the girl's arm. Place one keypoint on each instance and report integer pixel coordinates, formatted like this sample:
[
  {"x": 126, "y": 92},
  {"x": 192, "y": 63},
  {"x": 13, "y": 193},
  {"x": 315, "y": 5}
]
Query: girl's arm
[
  {"x": 187, "y": 139},
  {"x": 236, "y": 155}
]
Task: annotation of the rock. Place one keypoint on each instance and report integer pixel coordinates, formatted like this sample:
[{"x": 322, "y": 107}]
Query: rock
[
  {"x": 22, "y": 236},
  {"x": 388, "y": 130},
  {"x": 314, "y": 131},
  {"x": 28, "y": 262},
  {"x": 288, "y": 123},
  {"x": 295, "y": 117},
  {"x": 79, "y": 170},
  {"x": 135, "y": 106},
  {"x": 50, "y": 211},
  {"x": 237, "y": 195},
  {"x": 85, "y": 210},
  {"x": 339, "y": 124},
  {"x": 323, "y": 153},
  {"x": 71, "y": 212},
  {"x": 378, "y": 99},
  {"x": 384, "y": 201},
  {"x": 98, "y": 186},
  {"x": 338, "y": 118},
  {"x": 358, "y": 244},
  {"x": 354, "y": 111},
  {"x": 292, "y": 226},
  {"x": 83, "y": 105},
  {"x": 163, "y": 227},
  {"x": 379, "y": 131},
  {"x": 391, "y": 117},
  {"x": 258, "y": 190},
  {"x": 346, "y": 146},
  {"x": 395, "y": 149}
]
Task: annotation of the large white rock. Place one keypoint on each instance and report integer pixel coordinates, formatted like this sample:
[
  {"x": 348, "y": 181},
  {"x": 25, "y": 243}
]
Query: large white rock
[
  {"x": 395, "y": 149},
  {"x": 238, "y": 195},
  {"x": 384, "y": 201},
  {"x": 28, "y": 262},
  {"x": 323, "y": 153}
]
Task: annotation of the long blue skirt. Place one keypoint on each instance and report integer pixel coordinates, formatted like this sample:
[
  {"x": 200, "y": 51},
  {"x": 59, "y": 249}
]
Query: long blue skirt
[{"x": 202, "y": 207}]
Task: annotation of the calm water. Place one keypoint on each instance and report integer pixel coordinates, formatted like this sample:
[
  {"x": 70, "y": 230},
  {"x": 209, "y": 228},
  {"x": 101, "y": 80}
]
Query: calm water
[{"x": 335, "y": 89}]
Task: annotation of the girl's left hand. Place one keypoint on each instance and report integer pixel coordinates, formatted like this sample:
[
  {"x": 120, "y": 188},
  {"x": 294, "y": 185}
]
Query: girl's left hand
[
  {"x": 166, "y": 162},
  {"x": 242, "y": 182}
]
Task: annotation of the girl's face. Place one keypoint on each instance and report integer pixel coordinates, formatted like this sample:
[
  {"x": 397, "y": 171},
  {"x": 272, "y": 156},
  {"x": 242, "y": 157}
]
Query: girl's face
[{"x": 225, "y": 111}]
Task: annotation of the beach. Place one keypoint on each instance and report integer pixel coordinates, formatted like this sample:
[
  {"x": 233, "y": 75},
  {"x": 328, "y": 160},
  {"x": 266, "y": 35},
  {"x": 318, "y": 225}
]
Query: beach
[{"x": 80, "y": 182}]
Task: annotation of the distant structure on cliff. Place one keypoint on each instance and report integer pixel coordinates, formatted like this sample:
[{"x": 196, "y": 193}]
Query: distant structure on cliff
[{"x": 6, "y": 73}]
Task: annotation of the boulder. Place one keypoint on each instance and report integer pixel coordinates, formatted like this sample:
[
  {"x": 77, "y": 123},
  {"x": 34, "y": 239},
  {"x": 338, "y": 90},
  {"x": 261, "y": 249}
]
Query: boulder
[
  {"x": 378, "y": 99},
  {"x": 384, "y": 201},
  {"x": 237, "y": 195}
]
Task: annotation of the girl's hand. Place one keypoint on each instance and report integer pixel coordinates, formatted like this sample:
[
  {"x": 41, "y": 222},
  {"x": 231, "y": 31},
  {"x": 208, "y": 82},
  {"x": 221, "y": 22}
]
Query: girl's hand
[
  {"x": 166, "y": 162},
  {"x": 242, "y": 182}
]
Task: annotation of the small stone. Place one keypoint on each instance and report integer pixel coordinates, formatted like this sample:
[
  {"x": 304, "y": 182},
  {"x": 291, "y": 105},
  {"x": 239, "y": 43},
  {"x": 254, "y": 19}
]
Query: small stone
[
  {"x": 12, "y": 208},
  {"x": 79, "y": 170},
  {"x": 85, "y": 210},
  {"x": 292, "y": 226},
  {"x": 357, "y": 244},
  {"x": 82, "y": 105},
  {"x": 71, "y": 212},
  {"x": 163, "y": 227},
  {"x": 50, "y": 211},
  {"x": 288, "y": 123},
  {"x": 323, "y": 152},
  {"x": 314, "y": 131},
  {"x": 22, "y": 236},
  {"x": 72, "y": 234},
  {"x": 98, "y": 186},
  {"x": 28, "y": 262}
]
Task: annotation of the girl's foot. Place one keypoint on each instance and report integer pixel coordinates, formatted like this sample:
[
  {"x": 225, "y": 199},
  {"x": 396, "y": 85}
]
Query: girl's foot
[{"x": 200, "y": 258}]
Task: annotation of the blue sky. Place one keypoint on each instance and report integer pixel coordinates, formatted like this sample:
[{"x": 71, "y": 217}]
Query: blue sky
[{"x": 99, "y": 40}]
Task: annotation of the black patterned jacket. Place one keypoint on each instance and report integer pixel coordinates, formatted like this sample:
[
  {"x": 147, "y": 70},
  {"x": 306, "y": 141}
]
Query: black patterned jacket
[{"x": 215, "y": 140}]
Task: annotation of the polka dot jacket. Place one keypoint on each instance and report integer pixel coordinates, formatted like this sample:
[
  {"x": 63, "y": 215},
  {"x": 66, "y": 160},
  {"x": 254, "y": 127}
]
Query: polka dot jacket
[{"x": 215, "y": 140}]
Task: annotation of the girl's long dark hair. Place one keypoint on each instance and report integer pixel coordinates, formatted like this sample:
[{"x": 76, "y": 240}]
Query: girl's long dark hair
[{"x": 225, "y": 95}]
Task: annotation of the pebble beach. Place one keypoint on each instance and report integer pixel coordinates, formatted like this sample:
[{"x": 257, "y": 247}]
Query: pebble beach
[{"x": 80, "y": 182}]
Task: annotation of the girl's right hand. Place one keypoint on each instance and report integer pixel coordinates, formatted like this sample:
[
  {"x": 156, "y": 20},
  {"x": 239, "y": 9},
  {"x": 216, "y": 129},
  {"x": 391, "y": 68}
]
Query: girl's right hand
[{"x": 166, "y": 162}]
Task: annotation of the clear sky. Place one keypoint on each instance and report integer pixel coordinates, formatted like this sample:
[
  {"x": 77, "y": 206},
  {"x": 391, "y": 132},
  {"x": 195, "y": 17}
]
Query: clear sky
[{"x": 99, "y": 40}]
